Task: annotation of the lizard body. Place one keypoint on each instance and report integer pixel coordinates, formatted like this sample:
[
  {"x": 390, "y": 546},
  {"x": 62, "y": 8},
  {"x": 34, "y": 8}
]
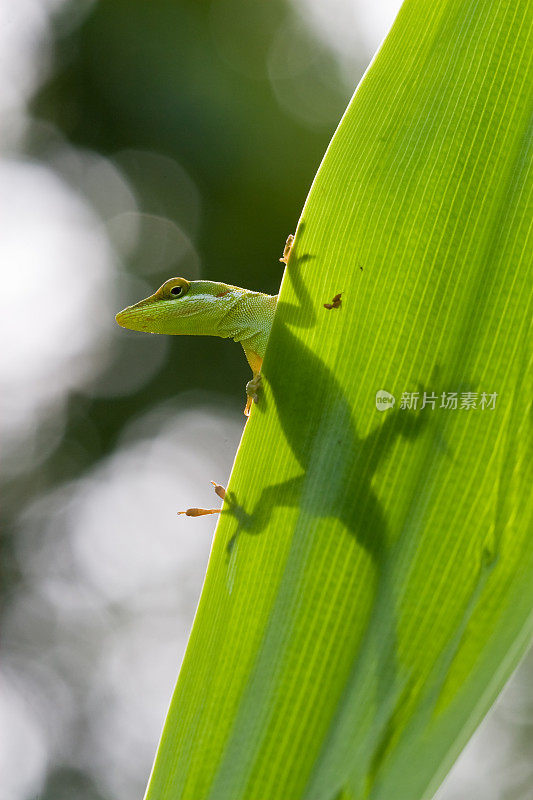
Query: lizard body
[{"x": 208, "y": 308}]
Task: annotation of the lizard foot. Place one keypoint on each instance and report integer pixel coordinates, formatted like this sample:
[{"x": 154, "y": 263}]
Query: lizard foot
[
  {"x": 252, "y": 390},
  {"x": 287, "y": 249},
  {"x": 219, "y": 490},
  {"x": 201, "y": 512}
]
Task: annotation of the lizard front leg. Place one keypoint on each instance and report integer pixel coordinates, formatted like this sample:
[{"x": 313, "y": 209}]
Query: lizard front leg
[{"x": 251, "y": 348}]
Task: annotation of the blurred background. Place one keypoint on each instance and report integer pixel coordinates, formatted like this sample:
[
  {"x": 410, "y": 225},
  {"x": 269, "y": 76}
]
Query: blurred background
[{"x": 139, "y": 141}]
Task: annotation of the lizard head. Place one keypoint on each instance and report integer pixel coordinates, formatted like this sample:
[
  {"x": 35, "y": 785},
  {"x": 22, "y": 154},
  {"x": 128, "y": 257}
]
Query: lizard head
[{"x": 182, "y": 307}]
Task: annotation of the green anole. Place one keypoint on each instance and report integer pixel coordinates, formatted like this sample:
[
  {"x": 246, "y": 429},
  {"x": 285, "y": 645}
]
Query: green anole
[{"x": 209, "y": 308}]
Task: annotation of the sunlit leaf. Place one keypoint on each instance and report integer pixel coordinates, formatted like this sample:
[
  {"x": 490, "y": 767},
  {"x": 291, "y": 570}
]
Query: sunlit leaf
[{"x": 370, "y": 585}]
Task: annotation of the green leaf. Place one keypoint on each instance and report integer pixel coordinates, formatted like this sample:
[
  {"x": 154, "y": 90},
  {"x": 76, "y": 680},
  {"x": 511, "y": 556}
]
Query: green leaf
[{"x": 370, "y": 585}]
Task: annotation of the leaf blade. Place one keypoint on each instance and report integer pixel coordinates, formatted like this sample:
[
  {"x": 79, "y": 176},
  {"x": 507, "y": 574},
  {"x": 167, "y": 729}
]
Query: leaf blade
[{"x": 372, "y": 537}]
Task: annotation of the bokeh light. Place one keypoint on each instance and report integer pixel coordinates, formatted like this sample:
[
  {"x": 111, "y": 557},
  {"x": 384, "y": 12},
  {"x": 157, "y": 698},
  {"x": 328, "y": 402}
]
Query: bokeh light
[
  {"x": 139, "y": 141},
  {"x": 59, "y": 290},
  {"x": 108, "y": 579}
]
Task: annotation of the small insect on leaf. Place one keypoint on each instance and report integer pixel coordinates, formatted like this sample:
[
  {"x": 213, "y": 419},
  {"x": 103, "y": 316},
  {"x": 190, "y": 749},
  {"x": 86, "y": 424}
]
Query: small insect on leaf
[{"x": 335, "y": 303}]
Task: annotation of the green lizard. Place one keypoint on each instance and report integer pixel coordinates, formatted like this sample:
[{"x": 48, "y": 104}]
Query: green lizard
[{"x": 209, "y": 308}]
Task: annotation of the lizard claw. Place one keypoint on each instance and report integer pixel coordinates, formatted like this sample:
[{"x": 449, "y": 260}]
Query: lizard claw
[
  {"x": 252, "y": 390},
  {"x": 287, "y": 249},
  {"x": 219, "y": 490},
  {"x": 201, "y": 512}
]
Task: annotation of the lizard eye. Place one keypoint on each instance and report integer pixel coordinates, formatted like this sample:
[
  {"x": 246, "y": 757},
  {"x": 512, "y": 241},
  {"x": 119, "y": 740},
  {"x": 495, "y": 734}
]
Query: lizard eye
[{"x": 174, "y": 287}]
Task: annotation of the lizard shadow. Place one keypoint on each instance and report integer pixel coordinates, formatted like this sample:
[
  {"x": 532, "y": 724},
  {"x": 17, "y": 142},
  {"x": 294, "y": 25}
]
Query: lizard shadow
[
  {"x": 312, "y": 408},
  {"x": 336, "y": 483}
]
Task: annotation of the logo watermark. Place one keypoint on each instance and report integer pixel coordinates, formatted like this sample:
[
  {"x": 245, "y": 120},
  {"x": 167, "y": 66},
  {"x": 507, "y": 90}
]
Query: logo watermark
[{"x": 384, "y": 400}]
